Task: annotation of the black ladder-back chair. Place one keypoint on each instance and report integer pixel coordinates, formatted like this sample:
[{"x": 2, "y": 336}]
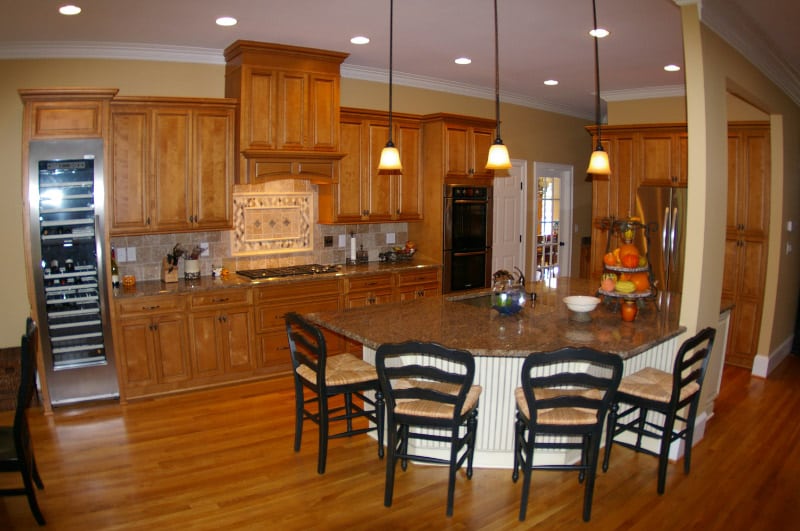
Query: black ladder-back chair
[
  {"x": 421, "y": 395},
  {"x": 667, "y": 393},
  {"x": 327, "y": 377},
  {"x": 562, "y": 405},
  {"x": 16, "y": 449}
]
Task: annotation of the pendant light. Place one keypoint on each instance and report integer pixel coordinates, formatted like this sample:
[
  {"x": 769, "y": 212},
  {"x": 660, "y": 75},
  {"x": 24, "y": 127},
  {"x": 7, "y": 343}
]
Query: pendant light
[
  {"x": 498, "y": 153},
  {"x": 598, "y": 163},
  {"x": 390, "y": 156}
]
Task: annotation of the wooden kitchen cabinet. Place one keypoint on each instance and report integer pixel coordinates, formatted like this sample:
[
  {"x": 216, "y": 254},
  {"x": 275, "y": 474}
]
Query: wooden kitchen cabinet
[
  {"x": 289, "y": 102},
  {"x": 361, "y": 194},
  {"x": 273, "y": 302},
  {"x": 744, "y": 274},
  {"x": 222, "y": 329},
  {"x": 366, "y": 290},
  {"x": 418, "y": 283},
  {"x": 615, "y": 197},
  {"x": 462, "y": 144},
  {"x": 664, "y": 157},
  {"x": 65, "y": 113},
  {"x": 172, "y": 165},
  {"x": 152, "y": 345}
]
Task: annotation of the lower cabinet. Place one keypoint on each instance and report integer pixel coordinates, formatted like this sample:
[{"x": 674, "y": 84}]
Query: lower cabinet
[
  {"x": 222, "y": 332},
  {"x": 366, "y": 290},
  {"x": 418, "y": 283},
  {"x": 153, "y": 343},
  {"x": 273, "y": 302}
]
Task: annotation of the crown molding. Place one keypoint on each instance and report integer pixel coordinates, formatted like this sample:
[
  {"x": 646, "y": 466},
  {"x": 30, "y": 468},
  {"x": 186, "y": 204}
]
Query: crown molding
[
  {"x": 726, "y": 19},
  {"x": 666, "y": 91},
  {"x": 188, "y": 54}
]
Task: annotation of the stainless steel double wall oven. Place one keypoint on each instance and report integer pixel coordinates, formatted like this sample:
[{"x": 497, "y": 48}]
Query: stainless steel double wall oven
[{"x": 467, "y": 236}]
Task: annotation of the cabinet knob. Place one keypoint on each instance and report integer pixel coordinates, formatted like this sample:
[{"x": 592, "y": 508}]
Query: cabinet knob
[{"x": 150, "y": 308}]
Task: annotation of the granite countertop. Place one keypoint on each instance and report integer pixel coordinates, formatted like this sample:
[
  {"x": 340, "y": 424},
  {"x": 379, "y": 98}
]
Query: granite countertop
[
  {"x": 157, "y": 287},
  {"x": 461, "y": 321}
]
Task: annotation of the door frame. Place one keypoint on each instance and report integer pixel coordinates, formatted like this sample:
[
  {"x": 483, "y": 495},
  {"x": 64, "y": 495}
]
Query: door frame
[{"x": 566, "y": 173}]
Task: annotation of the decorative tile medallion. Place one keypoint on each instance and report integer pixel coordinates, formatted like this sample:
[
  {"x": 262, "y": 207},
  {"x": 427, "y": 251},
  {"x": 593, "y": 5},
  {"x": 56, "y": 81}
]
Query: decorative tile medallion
[{"x": 272, "y": 223}]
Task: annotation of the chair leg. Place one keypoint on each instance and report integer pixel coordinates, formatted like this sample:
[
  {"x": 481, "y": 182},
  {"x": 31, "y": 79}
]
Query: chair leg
[
  {"x": 642, "y": 419},
  {"x": 380, "y": 420},
  {"x": 348, "y": 410},
  {"x": 526, "y": 477},
  {"x": 472, "y": 430},
  {"x": 518, "y": 432},
  {"x": 663, "y": 455},
  {"x": 36, "y": 477},
  {"x": 689, "y": 438},
  {"x": 584, "y": 453},
  {"x": 593, "y": 451},
  {"x": 323, "y": 434},
  {"x": 298, "y": 415},
  {"x": 610, "y": 429},
  {"x": 451, "y": 476},
  {"x": 403, "y": 434},
  {"x": 391, "y": 461},
  {"x": 30, "y": 493}
]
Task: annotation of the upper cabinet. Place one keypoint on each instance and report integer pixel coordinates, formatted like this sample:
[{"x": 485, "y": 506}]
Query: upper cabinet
[
  {"x": 360, "y": 193},
  {"x": 288, "y": 112},
  {"x": 65, "y": 113},
  {"x": 664, "y": 157},
  {"x": 172, "y": 164},
  {"x": 748, "y": 179},
  {"x": 463, "y": 144}
]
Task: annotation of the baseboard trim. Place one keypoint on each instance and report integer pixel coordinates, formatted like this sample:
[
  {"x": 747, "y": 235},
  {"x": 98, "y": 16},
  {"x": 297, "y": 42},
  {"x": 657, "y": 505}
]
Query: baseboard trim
[{"x": 763, "y": 365}]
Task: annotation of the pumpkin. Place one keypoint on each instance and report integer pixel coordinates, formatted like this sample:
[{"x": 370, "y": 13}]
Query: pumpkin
[
  {"x": 641, "y": 281},
  {"x": 628, "y": 248},
  {"x": 630, "y": 260},
  {"x": 610, "y": 259}
]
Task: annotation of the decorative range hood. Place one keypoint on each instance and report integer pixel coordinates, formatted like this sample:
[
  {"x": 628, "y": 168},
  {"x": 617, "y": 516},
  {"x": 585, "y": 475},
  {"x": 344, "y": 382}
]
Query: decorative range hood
[{"x": 288, "y": 116}]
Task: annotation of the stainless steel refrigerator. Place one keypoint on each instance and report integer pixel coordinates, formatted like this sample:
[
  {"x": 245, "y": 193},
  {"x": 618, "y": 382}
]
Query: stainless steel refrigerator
[
  {"x": 664, "y": 209},
  {"x": 65, "y": 195}
]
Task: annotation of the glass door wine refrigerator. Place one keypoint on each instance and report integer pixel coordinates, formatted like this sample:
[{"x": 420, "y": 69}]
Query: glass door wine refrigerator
[{"x": 65, "y": 195}]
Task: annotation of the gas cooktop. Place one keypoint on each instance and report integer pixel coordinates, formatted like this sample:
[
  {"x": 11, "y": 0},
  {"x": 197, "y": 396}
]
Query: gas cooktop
[{"x": 288, "y": 271}]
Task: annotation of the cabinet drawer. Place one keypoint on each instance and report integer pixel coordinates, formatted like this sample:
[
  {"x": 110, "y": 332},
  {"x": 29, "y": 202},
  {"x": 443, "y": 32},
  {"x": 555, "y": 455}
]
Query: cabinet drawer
[
  {"x": 421, "y": 276},
  {"x": 270, "y": 316},
  {"x": 297, "y": 290},
  {"x": 147, "y": 305},
  {"x": 369, "y": 282},
  {"x": 219, "y": 298}
]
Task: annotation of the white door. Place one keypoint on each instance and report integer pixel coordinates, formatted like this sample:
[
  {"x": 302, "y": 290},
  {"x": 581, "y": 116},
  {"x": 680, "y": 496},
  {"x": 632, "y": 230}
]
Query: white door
[
  {"x": 508, "y": 223},
  {"x": 552, "y": 207}
]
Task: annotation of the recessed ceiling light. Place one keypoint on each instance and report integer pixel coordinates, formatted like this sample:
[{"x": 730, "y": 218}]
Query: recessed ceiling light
[
  {"x": 69, "y": 10},
  {"x": 672, "y": 68},
  {"x": 599, "y": 33},
  {"x": 226, "y": 21},
  {"x": 551, "y": 82},
  {"x": 360, "y": 40},
  {"x": 463, "y": 61}
]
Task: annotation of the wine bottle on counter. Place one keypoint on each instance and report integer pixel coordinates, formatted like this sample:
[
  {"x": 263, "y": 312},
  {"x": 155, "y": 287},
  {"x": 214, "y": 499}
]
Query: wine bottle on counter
[{"x": 114, "y": 269}]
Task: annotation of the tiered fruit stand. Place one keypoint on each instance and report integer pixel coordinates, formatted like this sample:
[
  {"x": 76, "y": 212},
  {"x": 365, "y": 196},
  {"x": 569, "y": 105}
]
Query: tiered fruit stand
[{"x": 626, "y": 230}]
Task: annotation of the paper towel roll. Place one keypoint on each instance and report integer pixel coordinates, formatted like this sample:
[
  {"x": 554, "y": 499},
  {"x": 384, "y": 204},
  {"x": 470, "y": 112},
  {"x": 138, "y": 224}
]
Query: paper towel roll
[{"x": 352, "y": 247}]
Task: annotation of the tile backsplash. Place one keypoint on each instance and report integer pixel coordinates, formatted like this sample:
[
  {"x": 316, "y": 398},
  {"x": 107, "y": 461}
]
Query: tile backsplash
[{"x": 142, "y": 255}]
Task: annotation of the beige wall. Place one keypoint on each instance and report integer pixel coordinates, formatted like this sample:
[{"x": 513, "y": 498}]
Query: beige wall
[{"x": 530, "y": 134}]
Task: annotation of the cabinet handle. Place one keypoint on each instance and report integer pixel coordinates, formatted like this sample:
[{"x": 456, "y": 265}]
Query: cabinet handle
[
  {"x": 371, "y": 283},
  {"x": 148, "y": 221},
  {"x": 223, "y": 299},
  {"x": 222, "y": 318},
  {"x": 150, "y": 308}
]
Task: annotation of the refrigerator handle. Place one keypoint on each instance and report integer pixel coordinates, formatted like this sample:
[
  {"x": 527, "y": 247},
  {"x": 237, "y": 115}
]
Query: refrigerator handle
[
  {"x": 673, "y": 244},
  {"x": 666, "y": 231}
]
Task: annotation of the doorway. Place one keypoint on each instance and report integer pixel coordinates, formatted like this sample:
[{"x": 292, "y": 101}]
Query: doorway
[
  {"x": 552, "y": 215},
  {"x": 509, "y": 227}
]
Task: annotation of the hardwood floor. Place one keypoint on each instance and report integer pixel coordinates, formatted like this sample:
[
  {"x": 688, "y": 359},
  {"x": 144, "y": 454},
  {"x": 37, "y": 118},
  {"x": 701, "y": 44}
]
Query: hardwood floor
[{"x": 223, "y": 459}]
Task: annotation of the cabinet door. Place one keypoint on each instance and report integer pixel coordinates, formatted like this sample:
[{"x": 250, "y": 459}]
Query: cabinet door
[
  {"x": 323, "y": 113},
  {"x": 456, "y": 163},
  {"x": 408, "y": 138},
  {"x": 172, "y": 350},
  {"x": 380, "y": 188},
  {"x": 657, "y": 156},
  {"x": 293, "y": 110},
  {"x": 237, "y": 340},
  {"x": 480, "y": 142},
  {"x": 66, "y": 119},
  {"x": 348, "y": 197},
  {"x": 259, "y": 108},
  {"x": 753, "y": 182},
  {"x": 213, "y": 159},
  {"x": 138, "y": 351},
  {"x": 128, "y": 193},
  {"x": 206, "y": 343},
  {"x": 171, "y": 162}
]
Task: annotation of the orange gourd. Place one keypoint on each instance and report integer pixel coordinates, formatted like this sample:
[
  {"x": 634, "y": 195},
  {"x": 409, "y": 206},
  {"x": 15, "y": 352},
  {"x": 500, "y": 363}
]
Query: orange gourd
[
  {"x": 630, "y": 260},
  {"x": 641, "y": 281},
  {"x": 628, "y": 248}
]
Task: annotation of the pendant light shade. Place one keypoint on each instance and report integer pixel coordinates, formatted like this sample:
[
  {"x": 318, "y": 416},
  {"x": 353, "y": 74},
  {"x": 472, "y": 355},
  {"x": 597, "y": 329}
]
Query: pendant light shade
[
  {"x": 498, "y": 153},
  {"x": 390, "y": 156},
  {"x": 598, "y": 164}
]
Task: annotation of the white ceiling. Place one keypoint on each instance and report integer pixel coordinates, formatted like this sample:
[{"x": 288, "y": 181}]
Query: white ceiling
[{"x": 539, "y": 39}]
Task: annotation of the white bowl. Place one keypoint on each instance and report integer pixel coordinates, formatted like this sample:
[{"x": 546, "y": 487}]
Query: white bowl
[{"x": 581, "y": 303}]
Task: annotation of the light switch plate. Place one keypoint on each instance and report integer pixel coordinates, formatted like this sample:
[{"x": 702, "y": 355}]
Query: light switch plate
[
  {"x": 390, "y": 237},
  {"x": 342, "y": 240},
  {"x": 122, "y": 254},
  {"x": 204, "y": 247},
  {"x": 131, "y": 254}
]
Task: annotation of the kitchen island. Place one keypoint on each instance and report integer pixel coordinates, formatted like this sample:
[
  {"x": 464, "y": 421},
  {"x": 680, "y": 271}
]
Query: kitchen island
[{"x": 501, "y": 342}]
